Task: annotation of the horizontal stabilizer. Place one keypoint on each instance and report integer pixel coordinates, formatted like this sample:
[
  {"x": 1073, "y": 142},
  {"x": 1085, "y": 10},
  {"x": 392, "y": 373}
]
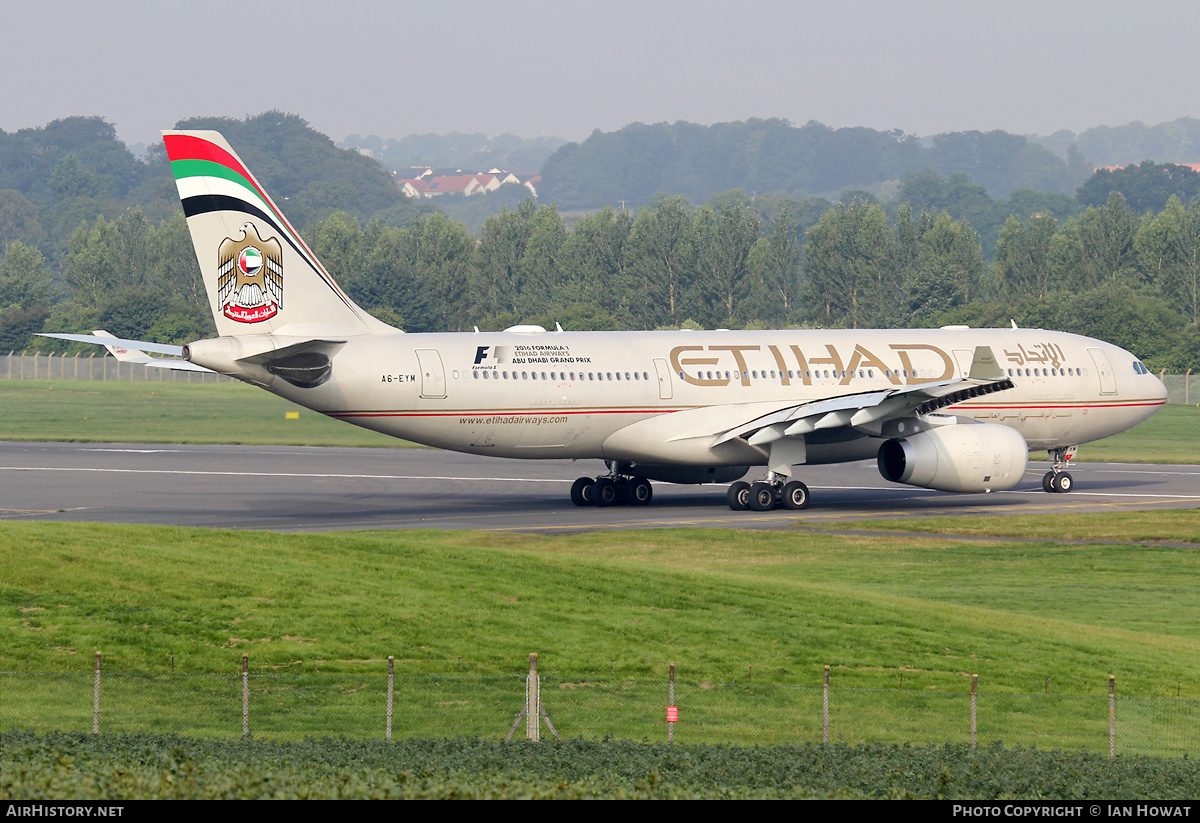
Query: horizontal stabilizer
[
  {"x": 100, "y": 340},
  {"x": 134, "y": 351}
]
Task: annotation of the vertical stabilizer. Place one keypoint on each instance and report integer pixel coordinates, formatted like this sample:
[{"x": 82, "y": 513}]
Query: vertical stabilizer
[{"x": 259, "y": 274}]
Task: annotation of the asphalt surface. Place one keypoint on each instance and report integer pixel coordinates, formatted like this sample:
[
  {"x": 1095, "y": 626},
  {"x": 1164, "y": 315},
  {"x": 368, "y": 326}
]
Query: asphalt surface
[{"x": 319, "y": 489}]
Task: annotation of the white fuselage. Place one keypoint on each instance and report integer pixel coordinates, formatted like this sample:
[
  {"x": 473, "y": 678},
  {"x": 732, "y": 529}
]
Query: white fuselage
[{"x": 564, "y": 394}]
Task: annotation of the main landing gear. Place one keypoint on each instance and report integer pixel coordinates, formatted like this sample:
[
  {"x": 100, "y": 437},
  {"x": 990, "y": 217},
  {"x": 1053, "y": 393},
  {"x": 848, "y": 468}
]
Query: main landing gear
[
  {"x": 1058, "y": 480},
  {"x": 612, "y": 489},
  {"x": 767, "y": 494}
]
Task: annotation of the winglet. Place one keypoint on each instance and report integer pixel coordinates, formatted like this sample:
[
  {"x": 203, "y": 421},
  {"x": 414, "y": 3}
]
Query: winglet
[{"x": 984, "y": 365}]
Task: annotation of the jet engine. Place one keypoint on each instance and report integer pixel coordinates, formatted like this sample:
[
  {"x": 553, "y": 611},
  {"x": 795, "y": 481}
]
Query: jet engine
[{"x": 979, "y": 457}]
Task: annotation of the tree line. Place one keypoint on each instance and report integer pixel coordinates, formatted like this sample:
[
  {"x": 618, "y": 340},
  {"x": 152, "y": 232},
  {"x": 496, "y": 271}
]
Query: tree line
[
  {"x": 93, "y": 238},
  {"x": 634, "y": 163},
  {"x": 1109, "y": 273}
]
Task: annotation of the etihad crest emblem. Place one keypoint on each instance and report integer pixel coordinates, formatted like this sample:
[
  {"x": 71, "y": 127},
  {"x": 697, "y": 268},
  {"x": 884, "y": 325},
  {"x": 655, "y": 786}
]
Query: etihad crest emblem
[{"x": 250, "y": 277}]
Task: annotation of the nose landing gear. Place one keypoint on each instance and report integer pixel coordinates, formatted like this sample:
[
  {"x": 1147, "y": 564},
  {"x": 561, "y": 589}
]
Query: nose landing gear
[{"x": 1058, "y": 480}]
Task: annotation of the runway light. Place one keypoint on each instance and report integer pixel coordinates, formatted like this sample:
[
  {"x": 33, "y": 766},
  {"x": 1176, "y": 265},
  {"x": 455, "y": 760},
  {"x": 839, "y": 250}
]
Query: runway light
[{"x": 293, "y": 415}]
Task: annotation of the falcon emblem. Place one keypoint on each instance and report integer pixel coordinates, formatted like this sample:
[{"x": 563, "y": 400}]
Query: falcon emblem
[{"x": 250, "y": 277}]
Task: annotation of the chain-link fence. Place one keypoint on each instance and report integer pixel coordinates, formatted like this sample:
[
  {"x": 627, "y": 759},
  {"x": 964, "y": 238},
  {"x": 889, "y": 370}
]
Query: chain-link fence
[
  {"x": 293, "y": 706},
  {"x": 1181, "y": 388},
  {"x": 97, "y": 365}
]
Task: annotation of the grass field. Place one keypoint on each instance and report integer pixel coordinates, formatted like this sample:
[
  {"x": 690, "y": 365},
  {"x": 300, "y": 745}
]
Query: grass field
[
  {"x": 749, "y": 619},
  {"x": 714, "y": 602},
  {"x": 136, "y": 412},
  {"x": 1173, "y": 526}
]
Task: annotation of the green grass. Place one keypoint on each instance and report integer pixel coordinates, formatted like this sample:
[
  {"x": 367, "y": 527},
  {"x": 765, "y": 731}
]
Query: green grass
[
  {"x": 714, "y": 602},
  {"x": 1172, "y": 526},
  {"x": 749, "y": 619},
  {"x": 1170, "y": 436},
  {"x": 137, "y": 412}
]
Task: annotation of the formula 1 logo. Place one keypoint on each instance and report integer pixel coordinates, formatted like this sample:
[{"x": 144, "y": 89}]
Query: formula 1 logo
[{"x": 250, "y": 277}]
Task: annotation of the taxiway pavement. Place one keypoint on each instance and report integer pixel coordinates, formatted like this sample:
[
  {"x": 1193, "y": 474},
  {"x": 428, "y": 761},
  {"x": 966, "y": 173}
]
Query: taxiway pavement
[{"x": 294, "y": 489}]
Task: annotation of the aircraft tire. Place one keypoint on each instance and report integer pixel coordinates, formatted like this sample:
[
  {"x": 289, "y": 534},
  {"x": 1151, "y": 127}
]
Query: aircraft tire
[
  {"x": 1064, "y": 483},
  {"x": 738, "y": 496},
  {"x": 582, "y": 490},
  {"x": 795, "y": 495},
  {"x": 1048, "y": 482},
  {"x": 639, "y": 492},
  {"x": 605, "y": 492},
  {"x": 762, "y": 497}
]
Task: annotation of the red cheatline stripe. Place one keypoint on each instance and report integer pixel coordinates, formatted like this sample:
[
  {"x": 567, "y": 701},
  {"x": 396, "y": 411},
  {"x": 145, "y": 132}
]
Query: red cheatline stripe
[
  {"x": 493, "y": 413},
  {"x": 497, "y": 412},
  {"x": 1100, "y": 405}
]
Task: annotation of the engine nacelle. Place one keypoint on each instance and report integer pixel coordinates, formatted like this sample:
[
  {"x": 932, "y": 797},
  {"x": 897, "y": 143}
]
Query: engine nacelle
[{"x": 983, "y": 457}]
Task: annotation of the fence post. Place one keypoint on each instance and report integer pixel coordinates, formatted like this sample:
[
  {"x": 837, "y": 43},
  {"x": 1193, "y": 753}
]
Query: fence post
[
  {"x": 1187, "y": 381},
  {"x": 391, "y": 682},
  {"x": 672, "y": 709},
  {"x": 96, "y": 698},
  {"x": 1112, "y": 715},
  {"x": 533, "y": 701},
  {"x": 974, "y": 692},
  {"x": 825, "y": 709},
  {"x": 245, "y": 695}
]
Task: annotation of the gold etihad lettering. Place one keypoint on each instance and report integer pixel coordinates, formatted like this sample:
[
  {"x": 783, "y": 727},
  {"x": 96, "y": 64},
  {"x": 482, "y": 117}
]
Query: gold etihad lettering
[
  {"x": 686, "y": 360},
  {"x": 947, "y": 362}
]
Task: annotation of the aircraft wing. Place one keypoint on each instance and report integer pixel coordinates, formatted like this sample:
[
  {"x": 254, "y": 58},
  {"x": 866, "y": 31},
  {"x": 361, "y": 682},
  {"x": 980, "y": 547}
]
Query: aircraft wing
[
  {"x": 134, "y": 351},
  {"x": 869, "y": 411},
  {"x": 697, "y": 435}
]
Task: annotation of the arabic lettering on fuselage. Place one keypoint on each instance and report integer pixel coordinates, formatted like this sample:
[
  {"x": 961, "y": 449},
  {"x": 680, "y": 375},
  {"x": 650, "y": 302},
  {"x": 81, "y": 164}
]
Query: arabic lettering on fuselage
[{"x": 1050, "y": 353}]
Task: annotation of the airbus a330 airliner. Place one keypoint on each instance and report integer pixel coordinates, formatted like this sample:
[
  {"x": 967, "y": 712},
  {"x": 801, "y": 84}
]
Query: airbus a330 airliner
[{"x": 954, "y": 409}]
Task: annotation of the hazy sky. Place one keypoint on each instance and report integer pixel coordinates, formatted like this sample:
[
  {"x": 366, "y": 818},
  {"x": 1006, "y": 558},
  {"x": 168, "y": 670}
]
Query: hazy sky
[{"x": 557, "y": 68}]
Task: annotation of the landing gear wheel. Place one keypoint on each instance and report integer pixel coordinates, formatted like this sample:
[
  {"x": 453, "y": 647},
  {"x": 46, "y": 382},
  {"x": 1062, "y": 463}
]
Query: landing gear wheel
[
  {"x": 582, "y": 490},
  {"x": 605, "y": 492},
  {"x": 639, "y": 491},
  {"x": 795, "y": 495},
  {"x": 738, "y": 496},
  {"x": 762, "y": 497},
  {"x": 1058, "y": 481}
]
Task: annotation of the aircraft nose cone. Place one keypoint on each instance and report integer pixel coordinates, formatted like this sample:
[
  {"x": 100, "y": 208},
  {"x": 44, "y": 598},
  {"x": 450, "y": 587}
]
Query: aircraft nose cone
[{"x": 1161, "y": 390}]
